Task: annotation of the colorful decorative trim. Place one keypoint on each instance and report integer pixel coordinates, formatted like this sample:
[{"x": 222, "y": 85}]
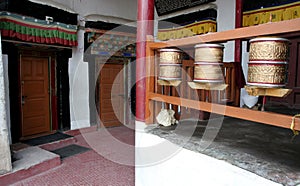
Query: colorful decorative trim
[
  {"x": 110, "y": 43},
  {"x": 272, "y": 14},
  {"x": 189, "y": 30},
  {"x": 37, "y": 31}
]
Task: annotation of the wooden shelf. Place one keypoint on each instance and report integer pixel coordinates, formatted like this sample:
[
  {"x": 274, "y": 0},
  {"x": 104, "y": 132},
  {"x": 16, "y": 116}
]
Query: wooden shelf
[
  {"x": 267, "y": 91},
  {"x": 289, "y": 26},
  {"x": 207, "y": 86},
  {"x": 268, "y": 29},
  {"x": 168, "y": 83},
  {"x": 237, "y": 112}
]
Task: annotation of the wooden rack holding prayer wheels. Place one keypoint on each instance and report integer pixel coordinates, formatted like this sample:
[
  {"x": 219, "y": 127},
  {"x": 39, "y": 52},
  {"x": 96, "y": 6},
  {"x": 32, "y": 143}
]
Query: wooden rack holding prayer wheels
[{"x": 153, "y": 95}]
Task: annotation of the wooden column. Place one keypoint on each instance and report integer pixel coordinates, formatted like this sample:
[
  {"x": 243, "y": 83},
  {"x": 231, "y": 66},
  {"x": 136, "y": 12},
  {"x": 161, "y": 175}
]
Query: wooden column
[
  {"x": 238, "y": 24},
  {"x": 238, "y": 46},
  {"x": 144, "y": 27}
]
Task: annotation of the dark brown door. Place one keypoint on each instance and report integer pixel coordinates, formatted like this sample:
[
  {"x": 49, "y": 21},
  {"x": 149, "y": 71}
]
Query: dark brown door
[
  {"x": 112, "y": 95},
  {"x": 35, "y": 95}
]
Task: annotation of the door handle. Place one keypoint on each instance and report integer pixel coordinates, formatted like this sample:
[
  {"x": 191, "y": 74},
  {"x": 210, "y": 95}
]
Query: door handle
[{"x": 23, "y": 99}]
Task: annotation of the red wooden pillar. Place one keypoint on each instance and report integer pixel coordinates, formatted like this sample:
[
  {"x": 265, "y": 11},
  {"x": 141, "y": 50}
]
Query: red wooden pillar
[
  {"x": 238, "y": 24},
  {"x": 144, "y": 27}
]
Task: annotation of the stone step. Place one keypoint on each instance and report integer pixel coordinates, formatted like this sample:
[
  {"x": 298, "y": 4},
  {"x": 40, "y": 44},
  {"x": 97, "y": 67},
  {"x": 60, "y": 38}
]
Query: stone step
[
  {"x": 28, "y": 162},
  {"x": 58, "y": 144}
]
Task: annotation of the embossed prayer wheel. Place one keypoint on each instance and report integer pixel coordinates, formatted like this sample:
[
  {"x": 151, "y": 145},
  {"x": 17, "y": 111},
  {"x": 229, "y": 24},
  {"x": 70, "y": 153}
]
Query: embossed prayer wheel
[
  {"x": 267, "y": 66},
  {"x": 209, "y": 53},
  {"x": 208, "y": 72},
  {"x": 208, "y": 63},
  {"x": 170, "y": 72},
  {"x": 170, "y": 63},
  {"x": 170, "y": 56}
]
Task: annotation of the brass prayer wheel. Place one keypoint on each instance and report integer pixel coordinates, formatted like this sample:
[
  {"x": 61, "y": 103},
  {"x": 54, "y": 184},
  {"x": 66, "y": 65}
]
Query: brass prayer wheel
[
  {"x": 209, "y": 52},
  {"x": 170, "y": 56},
  {"x": 170, "y": 72},
  {"x": 267, "y": 74},
  {"x": 170, "y": 64},
  {"x": 268, "y": 49},
  {"x": 208, "y": 63},
  {"x": 208, "y": 72},
  {"x": 267, "y": 66}
]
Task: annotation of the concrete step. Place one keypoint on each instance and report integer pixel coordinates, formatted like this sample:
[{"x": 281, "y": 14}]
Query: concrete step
[
  {"x": 30, "y": 161},
  {"x": 58, "y": 144}
]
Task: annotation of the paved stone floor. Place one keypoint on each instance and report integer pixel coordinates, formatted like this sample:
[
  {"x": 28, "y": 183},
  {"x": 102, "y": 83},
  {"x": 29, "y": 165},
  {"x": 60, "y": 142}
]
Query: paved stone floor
[
  {"x": 91, "y": 167},
  {"x": 265, "y": 150}
]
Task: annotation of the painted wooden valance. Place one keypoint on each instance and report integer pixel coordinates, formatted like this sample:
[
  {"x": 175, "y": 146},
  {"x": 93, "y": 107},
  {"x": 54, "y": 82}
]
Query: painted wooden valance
[
  {"x": 110, "y": 43},
  {"x": 197, "y": 28},
  {"x": 271, "y": 14},
  {"x": 14, "y": 26}
]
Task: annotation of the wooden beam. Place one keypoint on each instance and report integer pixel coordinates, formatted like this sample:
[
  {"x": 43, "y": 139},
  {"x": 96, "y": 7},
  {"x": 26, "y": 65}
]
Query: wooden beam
[
  {"x": 270, "y": 118},
  {"x": 272, "y": 28}
]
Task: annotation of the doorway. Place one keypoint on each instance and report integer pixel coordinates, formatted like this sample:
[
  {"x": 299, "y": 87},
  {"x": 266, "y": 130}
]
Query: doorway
[
  {"x": 35, "y": 95},
  {"x": 112, "y": 95}
]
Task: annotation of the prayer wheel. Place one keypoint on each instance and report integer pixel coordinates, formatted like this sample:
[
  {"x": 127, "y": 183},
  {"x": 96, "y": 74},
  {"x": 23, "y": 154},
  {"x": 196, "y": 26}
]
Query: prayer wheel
[
  {"x": 208, "y": 63},
  {"x": 208, "y": 72},
  {"x": 267, "y": 66},
  {"x": 170, "y": 64},
  {"x": 209, "y": 53}
]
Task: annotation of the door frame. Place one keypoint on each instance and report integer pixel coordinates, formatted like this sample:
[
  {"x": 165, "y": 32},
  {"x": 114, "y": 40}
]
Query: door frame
[{"x": 52, "y": 84}]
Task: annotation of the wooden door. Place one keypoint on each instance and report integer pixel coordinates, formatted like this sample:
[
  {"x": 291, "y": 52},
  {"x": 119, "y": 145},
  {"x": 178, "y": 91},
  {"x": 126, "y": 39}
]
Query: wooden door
[
  {"x": 112, "y": 95},
  {"x": 35, "y": 95}
]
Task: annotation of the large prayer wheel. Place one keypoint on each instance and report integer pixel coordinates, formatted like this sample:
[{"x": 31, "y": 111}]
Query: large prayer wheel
[
  {"x": 209, "y": 53},
  {"x": 170, "y": 64},
  {"x": 267, "y": 66},
  {"x": 208, "y": 72},
  {"x": 208, "y": 63}
]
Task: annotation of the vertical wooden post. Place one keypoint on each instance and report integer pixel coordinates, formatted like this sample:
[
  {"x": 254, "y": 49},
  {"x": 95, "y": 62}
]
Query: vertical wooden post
[
  {"x": 238, "y": 24},
  {"x": 144, "y": 28},
  {"x": 238, "y": 46},
  {"x": 157, "y": 88},
  {"x": 150, "y": 82}
]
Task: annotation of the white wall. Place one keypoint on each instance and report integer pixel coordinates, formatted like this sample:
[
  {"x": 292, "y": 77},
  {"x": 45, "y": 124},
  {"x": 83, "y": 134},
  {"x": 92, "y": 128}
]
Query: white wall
[
  {"x": 6, "y": 84},
  {"x": 5, "y": 158},
  {"x": 79, "y": 85},
  {"x": 226, "y": 21},
  {"x": 122, "y": 9}
]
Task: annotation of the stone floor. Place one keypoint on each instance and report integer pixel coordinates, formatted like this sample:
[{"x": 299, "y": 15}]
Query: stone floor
[
  {"x": 248, "y": 147},
  {"x": 268, "y": 151},
  {"x": 92, "y": 167}
]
